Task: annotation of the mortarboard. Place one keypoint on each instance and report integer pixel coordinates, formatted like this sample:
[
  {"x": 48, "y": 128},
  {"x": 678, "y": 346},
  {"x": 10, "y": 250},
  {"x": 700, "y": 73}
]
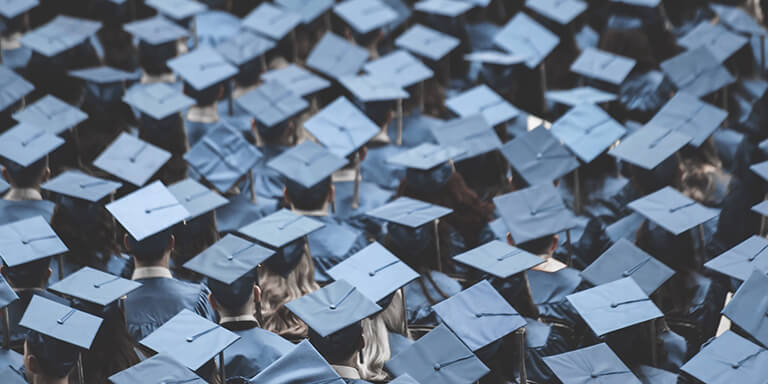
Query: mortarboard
[
  {"x": 738, "y": 20},
  {"x": 12, "y": 8},
  {"x": 25, "y": 144},
  {"x": 409, "y": 212},
  {"x": 12, "y": 87},
  {"x": 202, "y": 68},
  {"x": 400, "y": 67},
  {"x": 132, "y": 159},
  {"x": 580, "y": 95},
  {"x": 603, "y": 66},
  {"x": 301, "y": 365},
  {"x": 761, "y": 169},
  {"x": 297, "y": 79},
  {"x": 448, "y": 8},
  {"x": 244, "y": 47},
  {"x": 241, "y": 211},
  {"x": 650, "y": 146},
  {"x": 740, "y": 261},
  {"x": 624, "y": 259},
  {"x": 148, "y": 211},
  {"x": 590, "y": 365},
  {"x": 196, "y": 198},
  {"x": 95, "y": 286},
  {"x": 494, "y": 57},
  {"x": 307, "y": 164},
  {"x": 697, "y": 72},
  {"x": 761, "y": 208},
  {"x": 341, "y": 127},
  {"x": 51, "y": 114},
  {"x": 749, "y": 307},
  {"x": 156, "y": 30},
  {"x": 524, "y": 36},
  {"x": 12, "y": 372},
  {"x": 335, "y": 57},
  {"x": 438, "y": 357},
  {"x": 587, "y": 130},
  {"x": 671, "y": 210},
  {"x": 177, "y": 9},
  {"x": 105, "y": 84},
  {"x": 426, "y": 42},
  {"x": 60, "y": 322},
  {"x": 374, "y": 271},
  {"x": 280, "y": 228},
  {"x": 689, "y": 115},
  {"x": 160, "y": 368},
  {"x": 272, "y": 21},
  {"x": 560, "y": 11},
  {"x": 499, "y": 259},
  {"x": 81, "y": 186},
  {"x": 728, "y": 358},
  {"x": 613, "y": 306},
  {"x": 157, "y": 100},
  {"x": 473, "y": 134},
  {"x": 721, "y": 42},
  {"x": 27, "y": 240},
  {"x": 309, "y": 10},
  {"x": 651, "y": 375},
  {"x": 534, "y": 212},
  {"x": 365, "y": 16},
  {"x": 191, "y": 339},
  {"x": 7, "y": 296},
  {"x": 60, "y": 34},
  {"x": 479, "y": 315},
  {"x": 404, "y": 379},
  {"x": 229, "y": 259},
  {"x": 481, "y": 99},
  {"x": 271, "y": 103},
  {"x": 640, "y": 3},
  {"x": 539, "y": 157},
  {"x": 425, "y": 157}
]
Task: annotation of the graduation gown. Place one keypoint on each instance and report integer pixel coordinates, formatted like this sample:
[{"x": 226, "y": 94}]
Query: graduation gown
[
  {"x": 255, "y": 350},
  {"x": 332, "y": 244},
  {"x": 417, "y": 305},
  {"x": 549, "y": 290},
  {"x": 15, "y": 210}
]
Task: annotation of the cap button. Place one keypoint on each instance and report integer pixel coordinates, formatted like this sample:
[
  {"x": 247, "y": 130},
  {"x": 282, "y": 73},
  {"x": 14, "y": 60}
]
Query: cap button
[
  {"x": 625, "y": 274},
  {"x": 478, "y": 315},
  {"x": 614, "y": 305},
  {"x": 593, "y": 375},
  {"x": 332, "y": 306},
  {"x": 371, "y": 274},
  {"x": 735, "y": 366},
  {"x": 539, "y": 155},
  {"x": 436, "y": 367}
]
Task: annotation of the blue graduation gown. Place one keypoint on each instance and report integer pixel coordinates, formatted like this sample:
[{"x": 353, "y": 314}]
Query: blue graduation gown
[
  {"x": 255, "y": 350},
  {"x": 549, "y": 290},
  {"x": 15, "y": 210},
  {"x": 418, "y": 307},
  {"x": 333, "y": 244}
]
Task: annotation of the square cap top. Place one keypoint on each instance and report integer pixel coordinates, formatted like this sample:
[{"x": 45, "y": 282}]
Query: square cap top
[
  {"x": 341, "y": 127},
  {"x": 191, "y": 339},
  {"x": 196, "y": 198},
  {"x": 481, "y": 99},
  {"x": 223, "y": 156},
  {"x": 309, "y": 10},
  {"x": 95, "y": 286},
  {"x": 425, "y": 156},
  {"x": 12, "y": 8},
  {"x": 690, "y": 116},
  {"x": 81, "y": 186},
  {"x": 499, "y": 259},
  {"x": 727, "y": 359},
  {"x": 271, "y": 103},
  {"x": 427, "y": 42},
  {"x": 148, "y": 211},
  {"x": 307, "y": 163},
  {"x": 409, "y": 212},
  {"x": 587, "y": 130},
  {"x": 740, "y": 261},
  {"x": 761, "y": 169},
  {"x": 365, "y": 16},
  {"x": 604, "y": 66},
  {"x": 297, "y": 79},
  {"x": 156, "y": 30},
  {"x": 761, "y": 208},
  {"x": 449, "y": 8},
  {"x": 244, "y": 47},
  {"x": 559, "y": 11},
  {"x": 651, "y": 375},
  {"x": 12, "y": 87},
  {"x": 624, "y": 259},
  {"x": 479, "y": 315},
  {"x": 368, "y": 88},
  {"x": 158, "y": 100},
  {"x": 161, "y": 368},
  {"x": 439, "y": 357},
  {"x": 539, "y": 157},
  {"x": 401, "y": 67},
  {"x": 534, "y": 212},
  {"x": 697, "y": 71},
  {"x": 749, "y": 307},
  {"x": 104, "y": 75},
  {"x": 588, "y": 365},
  {"x": 374, "y": 271},
  {"x": 202, "y": 68},
  {"x": 613, "y": 306},
  {"x": 229, "y": 259},
  {"x": 132, "y": 159},
  {"x": 640, "y": 3},
  {"x": 61, "y": 322},
  {"x": 177, "y": 9},
  {"x": 524, "y": 36},
  {"x": 51, "y": 114},
  {"x": 26, "y": 143},
  {"x": 28, "y": 240},
  {"x": 7, "y": 295},
  {"x": 494, "y": 57},
  {"x": 272, "y": 21},
  {"x": 333, "y": 308},
  {"x": 280, "y": 228},
  {"x": 404, "y": 379},
  {"x": 580, "y": 95},
  {"x": 673, "y": 211},
  {"x": 301, "y": 365},
  {"x": 472, "y": 134},
  {"x": 721, "y": 42},
  {"x": 60, "y": 34},
  {"x": 650, "y": 146},
  {"x": 335, "y": 57},
  {"x": 737, "y": 19}
]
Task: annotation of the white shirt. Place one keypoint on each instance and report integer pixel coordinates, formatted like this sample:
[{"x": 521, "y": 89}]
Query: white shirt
[
  {"x": 346, "y": 372},
  {"x": 234, "y": 319},
  {"x": 151, "y": 273}
]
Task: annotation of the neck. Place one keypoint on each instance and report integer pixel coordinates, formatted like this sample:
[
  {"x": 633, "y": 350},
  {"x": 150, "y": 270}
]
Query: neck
[
  {"x": 163, "y": 262},
  {"x": 322, "y": 211},
  {"x": 18, "y": 194},
  {"x": 203, "y": 113},
  {"x": 38, "y": 379}
]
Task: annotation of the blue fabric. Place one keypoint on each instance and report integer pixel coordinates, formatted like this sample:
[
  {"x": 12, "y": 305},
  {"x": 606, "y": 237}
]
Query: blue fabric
[
  {"x": 398, "y": 343},
  {"x": 549, "y": 290},
  {"x": 332, "y": 244},
  {"x": 418, "y": 308},
  {"x": 17, "y": 308},
  {"x": 11, "y": 210},
  {"x": 255, "y": 350}
]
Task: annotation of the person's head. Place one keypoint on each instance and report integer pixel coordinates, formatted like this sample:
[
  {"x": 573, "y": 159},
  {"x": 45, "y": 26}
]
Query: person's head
[
  {"x": 88, "y": 230},
  {"x": 191, "y": 238},
  {"x": 280, "y": 134},
  {"x": 34, "y": 274},
  {"x": 31, "y": 176},
  {"x": 48, "y": 360},
  {"x": 380, "y": 112},
  {"x": 153, "y": 250},
  {"x": 632, "y": 43},
  {"x": 545, "y": 245},
  {"x": 376, "y": 330},
  {"x": 341, "y": 347},
  {"x": 205, "y": 97},
  {"x": 242, "y": 297},
  {"x": 677, "y": 252},
  {"x": 308, "y": 199},
  {"x": 168, "y": 133},
  {"x": 645, "y": 181},
  {"x": 112, "y": 349},
  {"x": 152, "y": 58}
]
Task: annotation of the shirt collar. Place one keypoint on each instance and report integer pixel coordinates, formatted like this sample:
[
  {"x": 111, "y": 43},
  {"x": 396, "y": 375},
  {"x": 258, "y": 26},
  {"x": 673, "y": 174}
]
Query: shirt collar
[
  {"x": 162, "y": 78},
  {"x": 203, "y": 114},
  {"x": 18, "y": 194},
  {"x": 151, "y": 273},
  {"x": 318, "y": 212},
  {"x": 346, "y": 372},
  {"x": 550, "y": 264},
  {"x": 235, "y": 319}
]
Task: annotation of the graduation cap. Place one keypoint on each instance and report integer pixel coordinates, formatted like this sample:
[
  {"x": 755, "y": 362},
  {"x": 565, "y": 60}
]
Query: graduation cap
[
  {"x": 590, "y": 365},
  {"x": 651, "y": 375},
  {"x": 427, "y": 42},
  {"x": 534, "y": 212},
  {"x": 335, "y": 57},
  {"x": 307, "y": 164},
  {"x": 157, "y": 100},
  {"x": 369, "y": 88},
  {"x": 27, "y": 240},
  {"x": 156, "y": 30},
  {"x": 524, "y": 36},
  {"x": 161, "y": 368},
  {"x": 271, "y": 104},
  {"x": 539, "y": 157},
  {"x": 95, "y": 286},
  {"x": 472, "y": 134},
  {"x": 580, "y": 95},
  {"x": 7, "y": 295},
  {"x": 12, "y": 87},
  {"x": 689, "y": 115},
  {"x": 105, "y": 84},
  {"x": 721, "y": 42},
  {"x": 640, "y": 3},
  {"x": 448, "y": 8},
  {"x": 672, "y": 211},
  {"x": 562, "y": 12},
  {"x": 697, "y": 72},
  {"x": 297, "y": 79},
  {"x": 12, "y": 372},
  {"x": 132, "y": 159},
  {"x": 749, "y": 307},
  {"x": 59, "y": 35},
  {"x": 479, "y": 315},
  {"x": 494, "y": 58},
  {"x": 179, "y": 10},
  {"x": 229, "y": 259},
  {"x": 761, "y": 208},
  {"x": 499, "y": 259},
  {"x": 438, "y": 357},
  {"x": 587, "y": 130},
  {"x": 60, "y": 322},
  {"x": 25, "y": 144},
  {"x": 280, "y": 228},
  {"x": 222, "y": 157},
  {"x": 148, "y": 211},
  {"x": 81, "y": 186},
  {"x": 341, "y": 127},
  {"x": 196, "y": 198},
  {"x": 761, "y": 169},
  {"x": 425, "y": 157},
  {"x": 245, "y": 47},
  {"x": 650, "y": 146},
  {"x": 400, "y": 67},
  {"x": 51, "y": 114},
  {"x": 624, "y": 259},
  {"x": 738, "y": 20},
  {"x": 481, "y": 99},
  {"x": 191, "y": 339},
  {"x": 241, "y": 211},
  {"x": 365, "y": 16},
  {"x": 613, "y": 306},
  {"x": 202, "y": 68},
  {"x": 272, "y": 21},
  {"x": 404, "y": 379},
  {"x": 301, "y": 365},
  {"x": 309, "y": 10},
  {"x": 727, "y": 359},
  {"x": 740, "y": 261},
  {"x": 409, "y": 212},
  {"x": 13, "y": 8},
  {"x": 603, "y": 66}
]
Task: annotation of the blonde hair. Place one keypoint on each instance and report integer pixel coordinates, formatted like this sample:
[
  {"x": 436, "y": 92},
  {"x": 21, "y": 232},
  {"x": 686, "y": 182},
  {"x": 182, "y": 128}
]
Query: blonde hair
[{"x": 376, "y": 330}]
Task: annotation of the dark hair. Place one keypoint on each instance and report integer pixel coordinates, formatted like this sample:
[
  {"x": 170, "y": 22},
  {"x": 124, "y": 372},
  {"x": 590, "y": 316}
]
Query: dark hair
[
  {"x": 205, "y": 96},
  {"x": 87, "y": 229},
  {"x": 632, "y": 43},
  {"x": 168, "y": 133},
  {"x": 274, "y": 134},
  {"x": 193, "y": 237},
  {"x": 56, "y": 358},
  {"x": 308, "y": 199},
  {"x": 112, "y": 349},
  {"x": 28, "y": 275},
  {"x": 233, "y": 296},
  {"x": 150, "y": 250},
  {"x": 339, "y": 346},
  {"x": 152, "y": 58},
  {"x": 537, "y": 246},
  {"x": 27, "y": 177},
  {"x": 379, "y": 111},
  {"x": 677, "y": 252}
]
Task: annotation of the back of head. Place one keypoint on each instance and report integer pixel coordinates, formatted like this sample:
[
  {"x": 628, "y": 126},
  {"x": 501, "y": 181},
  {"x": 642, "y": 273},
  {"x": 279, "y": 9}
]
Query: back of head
[
  {"x": 232, "y": 297},
  {"x": 168, "y": 133},
  {"x": 28, "y": 275},
  {"x": 151, "y": 249},
  {"x": 87, "y": 229},
  {"x": 55, "y": 358},
  {"x": 27, "y": 177},
  {"x": 340, "y": 346},
  {"x": 308, "y": 199},
  {"x": 205, "y": 96},
  {"x": 540, "y": 246},
  {"x": 152, "y": 58}
]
